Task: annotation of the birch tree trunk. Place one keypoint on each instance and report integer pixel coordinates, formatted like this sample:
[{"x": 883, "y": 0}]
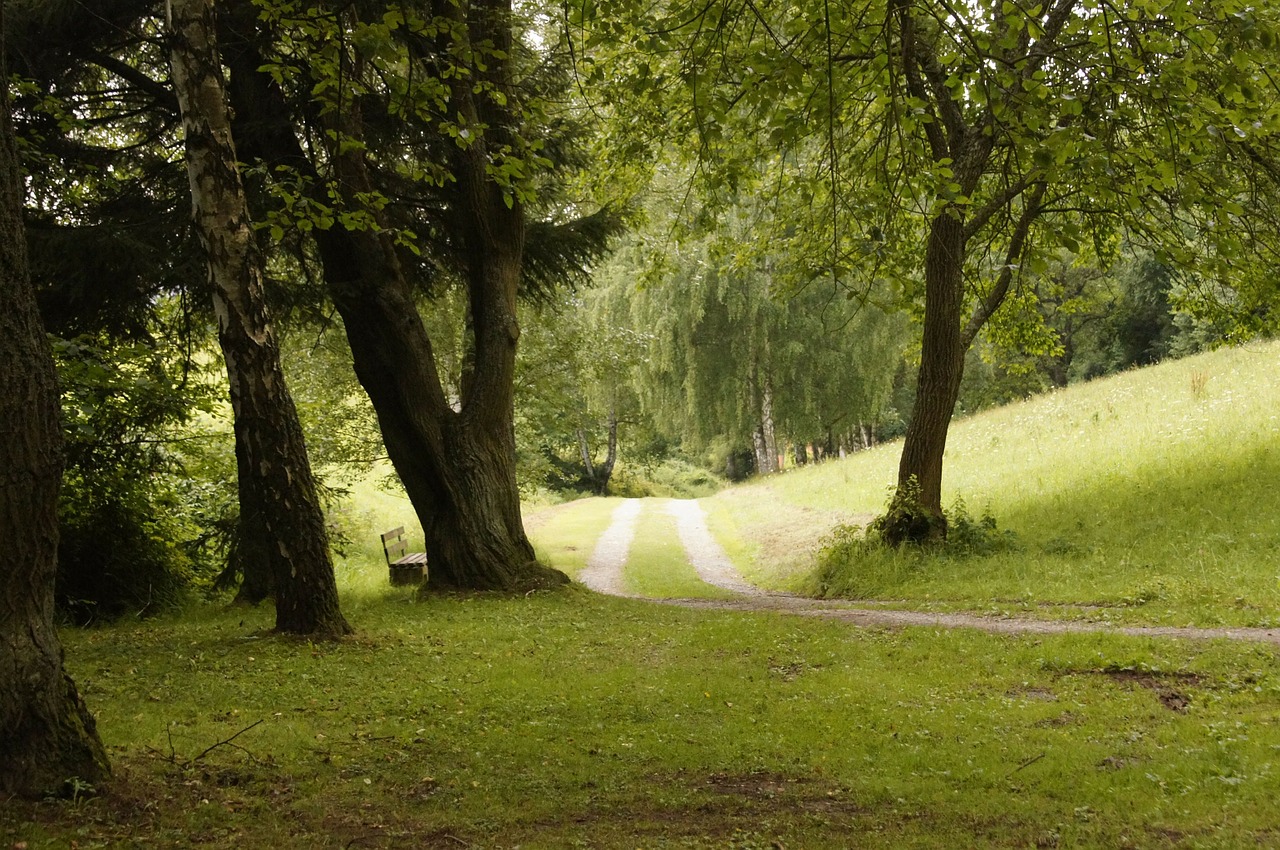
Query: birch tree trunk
[
  {"x": 282, "y": 520},
  {"x": 47, "y": 735}
]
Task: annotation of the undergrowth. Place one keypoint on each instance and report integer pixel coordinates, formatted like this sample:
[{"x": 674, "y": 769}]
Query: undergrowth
[{"x": 855, "y": 561}]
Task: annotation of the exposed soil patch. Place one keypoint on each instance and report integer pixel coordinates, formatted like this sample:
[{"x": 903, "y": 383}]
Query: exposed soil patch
[
  {"x": 759, "y": 784},
  {"x": 1170, "y": 697}
]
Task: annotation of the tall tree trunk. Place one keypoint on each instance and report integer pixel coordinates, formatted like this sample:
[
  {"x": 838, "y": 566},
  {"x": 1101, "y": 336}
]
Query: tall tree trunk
[
  {"x": 584, "y": 450},
  {"x": 280, "y": 513},
  {"x": 47, "y": 735},
  {"x": 767, "y": 429},
  {"x": 764, "y": 440},
  {"x": 916, "y": 511},
  {"x": 457, "y": 466}
]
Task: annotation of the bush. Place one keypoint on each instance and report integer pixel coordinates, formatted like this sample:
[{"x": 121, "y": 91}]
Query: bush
[
  {"x": 125, "y": 512},
  {"x": 672, "y": 478},
  {"x": 854, "y": 562},
  {"x": 120, "y": 554}
]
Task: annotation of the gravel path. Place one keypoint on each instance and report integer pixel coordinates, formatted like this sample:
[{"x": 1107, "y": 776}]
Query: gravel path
[
  {"x": 604, "y": 575},
  {"x": 879, "y": 618},
  {"x": 705, "y": 554}
]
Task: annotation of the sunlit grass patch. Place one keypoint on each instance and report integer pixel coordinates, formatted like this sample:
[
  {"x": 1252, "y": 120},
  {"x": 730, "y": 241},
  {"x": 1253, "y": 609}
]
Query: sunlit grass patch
[
  {"x": 1144, "y": 497},
  {"x": 771, "y": 541},
  {"x": 566, "y": 539}
]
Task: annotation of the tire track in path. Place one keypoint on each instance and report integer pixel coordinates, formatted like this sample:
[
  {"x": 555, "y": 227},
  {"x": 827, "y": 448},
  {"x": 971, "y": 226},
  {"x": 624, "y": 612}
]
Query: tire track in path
[
  {"x": 704, "y": 553},
  {"x": 603, "y": 572}
]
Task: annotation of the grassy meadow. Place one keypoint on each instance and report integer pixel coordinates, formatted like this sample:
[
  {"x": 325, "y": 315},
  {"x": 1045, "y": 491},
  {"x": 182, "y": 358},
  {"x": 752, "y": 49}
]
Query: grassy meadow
[
  {"x": 570, "y": 719},
  {"x": 573, "y": 720},
  {"x": 1148, "y": 497}
]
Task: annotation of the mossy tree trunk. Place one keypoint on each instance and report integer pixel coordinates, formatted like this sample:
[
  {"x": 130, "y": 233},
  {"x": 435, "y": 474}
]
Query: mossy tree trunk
[
  {"x": 47, "y": 735},
  {"x": 282, "y": 521}
]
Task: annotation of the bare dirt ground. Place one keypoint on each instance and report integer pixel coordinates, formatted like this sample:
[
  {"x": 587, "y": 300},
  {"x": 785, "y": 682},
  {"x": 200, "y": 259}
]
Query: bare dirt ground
[{"x": 604, "y": 575}]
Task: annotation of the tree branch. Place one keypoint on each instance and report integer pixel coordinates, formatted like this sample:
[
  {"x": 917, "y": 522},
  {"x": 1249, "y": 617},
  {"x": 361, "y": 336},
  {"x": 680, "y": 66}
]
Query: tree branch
[
  {"x": 915, "y": 84},
  {"x": 159, "y": 92},
  {"x": 1017, "y": 246},
  {"x": 999, "y": 202}
]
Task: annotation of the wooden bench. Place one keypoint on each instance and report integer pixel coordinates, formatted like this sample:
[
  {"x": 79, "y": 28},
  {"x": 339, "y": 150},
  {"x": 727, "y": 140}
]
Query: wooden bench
[{"x": 405, "y": 567}]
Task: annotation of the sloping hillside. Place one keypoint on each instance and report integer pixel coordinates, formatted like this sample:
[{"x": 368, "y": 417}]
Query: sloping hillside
[{"x": 1147, "y": 496}]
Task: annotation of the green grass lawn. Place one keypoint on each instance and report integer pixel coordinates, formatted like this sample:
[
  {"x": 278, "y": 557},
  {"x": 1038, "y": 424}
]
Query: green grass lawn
[
  {"x": 569, "y": 719},
  {"x": 573, "y": 720}
]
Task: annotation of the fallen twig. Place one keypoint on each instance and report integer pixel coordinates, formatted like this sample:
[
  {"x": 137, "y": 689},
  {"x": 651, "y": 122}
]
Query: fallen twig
[
  {"x": 210, "y": 749},
  {"x": 1027, "y": 763}
]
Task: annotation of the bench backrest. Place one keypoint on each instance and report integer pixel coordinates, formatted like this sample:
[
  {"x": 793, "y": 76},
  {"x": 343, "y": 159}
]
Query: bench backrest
[{"x": 393, "y": 544}]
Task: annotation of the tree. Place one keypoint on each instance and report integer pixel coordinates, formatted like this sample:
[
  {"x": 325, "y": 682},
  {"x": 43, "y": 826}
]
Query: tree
[
  {"x": 112, "y": 252},
  {"x": 420, "y": 103},
  {"x": 737, "y": 354},
  {"x": 279, "y": 508},
  {"x": 48, "y": 735},
  {"x": 576, "y": 406},
  {"x": 952, "y": 147},
  {"x": 398, "y": 151}
]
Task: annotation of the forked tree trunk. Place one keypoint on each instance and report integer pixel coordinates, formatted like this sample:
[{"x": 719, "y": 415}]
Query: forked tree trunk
[
  {"x": 599, "y": 475},
  {"x": 457, "y": 465},
  {"x": 281, "y": 518},
  {"x": 965, "y": 144},
  {"x": 47, "y": 735}
]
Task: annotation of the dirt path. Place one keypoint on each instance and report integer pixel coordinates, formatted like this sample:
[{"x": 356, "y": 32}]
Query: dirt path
[
  {"x": 705, "y": 554},
  {"x": 604, "y": 567},
  {"x": 604, "y": 575}
]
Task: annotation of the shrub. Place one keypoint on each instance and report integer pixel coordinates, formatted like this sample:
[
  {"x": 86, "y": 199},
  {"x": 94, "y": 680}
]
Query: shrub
[{"x": 854, "y": 562}]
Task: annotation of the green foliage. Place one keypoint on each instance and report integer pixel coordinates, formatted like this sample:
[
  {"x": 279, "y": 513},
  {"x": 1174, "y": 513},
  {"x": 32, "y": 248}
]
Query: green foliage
[
  {"x": 573, "y": 386},
  {"x": 856, "y": 561},
  {"x": 343, "y": 440},
  {"x": 670, "y": 477},
  {"x": 120, "y": 551},
  {"x": 130, "y": 520},
  {"x": 968, "y": 535},
  {"x": 858, "y": 125},
  {"x": 731, "y": 348}
]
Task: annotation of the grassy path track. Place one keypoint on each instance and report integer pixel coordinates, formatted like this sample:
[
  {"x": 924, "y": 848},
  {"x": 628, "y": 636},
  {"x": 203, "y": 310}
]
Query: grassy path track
[{"x": 604, "y": 574}]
